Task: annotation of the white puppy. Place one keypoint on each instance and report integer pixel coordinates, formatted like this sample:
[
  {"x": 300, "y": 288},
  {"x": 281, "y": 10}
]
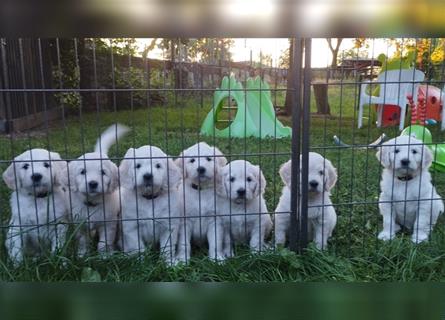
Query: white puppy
[
  {"x": 39, "y": 209},
  {"x": 93, "y": 181},
  {"x": 241, "y": 202},
  {"x": 150, "y": 204},
  {"x": 406, "y": 189},
  {"x": 321, "y": 213},
  {"x": 200, "y": 164}
]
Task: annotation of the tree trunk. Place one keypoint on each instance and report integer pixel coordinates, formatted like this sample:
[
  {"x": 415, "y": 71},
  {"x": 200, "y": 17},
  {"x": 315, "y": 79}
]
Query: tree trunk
[
  {"x": 321, "y": 98},
  {"x": 334, "y": 51},
  {"x": 290, "y": 80},
  {"x": 334, "y": 58}
]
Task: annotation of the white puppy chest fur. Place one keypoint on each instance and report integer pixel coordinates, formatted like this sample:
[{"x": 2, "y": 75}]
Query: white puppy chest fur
[
  {"x": 39, "y": 206},
  {"x": 93, "y": 181},
  {"x": 200, "y": 164},
  {"x": 406, "y": 189},
  {"x": 150, "y": 201},
  {"x": 321, "y": 213},
  {"x": 241, "y": 202}
]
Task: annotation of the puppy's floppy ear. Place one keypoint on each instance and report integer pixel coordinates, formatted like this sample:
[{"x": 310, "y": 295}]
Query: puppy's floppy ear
[
  {"x": 427, "y": 157},
  {"x": 72, "y": 169},
  {"x": 383, "y": 155},
  {"x": 331, "y": 175},
  {"x": 180, "y": 161},
  {"x": 261, "y": 181},
  {"x": 59, "y": 169},
  {"x": 286, "y": 173},
  {"x": 114, "y": 178},
  {"x": 126, "y": 169},
  {"x": 9, "y": 176},
  {"x": 220, "y": 188},
  {"x": 174, "y": 174},
  {"x": 220, "y": 159}
]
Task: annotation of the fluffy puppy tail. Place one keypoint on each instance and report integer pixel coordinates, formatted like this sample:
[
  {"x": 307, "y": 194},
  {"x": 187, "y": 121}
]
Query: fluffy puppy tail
[{"x": 109, "y": 137}]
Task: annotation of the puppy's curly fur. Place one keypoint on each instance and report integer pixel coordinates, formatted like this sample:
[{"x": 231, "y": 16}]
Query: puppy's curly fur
[
  {"x": 39, "y": 210},
  {"x": 200, "y": 165},
  {"x": 241, "y": 202},
  {"x": 321, "y": 213},
  {"x": 407, "y": 196},
  {"x": 150, "y": 205},
  {"x": 93, "y": 181}
]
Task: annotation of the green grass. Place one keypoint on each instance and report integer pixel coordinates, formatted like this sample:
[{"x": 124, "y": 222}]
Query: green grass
[{"x": 354, "y": 252}]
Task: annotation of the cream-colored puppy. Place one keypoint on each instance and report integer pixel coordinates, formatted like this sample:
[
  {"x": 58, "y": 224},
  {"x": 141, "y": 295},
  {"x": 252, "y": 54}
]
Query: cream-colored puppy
[
  {"x": 150, "y": 201},
  {"x": 321, "y": 213},
  {"x": 241, "y": 202},
  {"x": 39, "y": 210},
  {"x": 93, "y": 181},
  {"x": 200, "y": 164},
  {"x": 407, "y": 193}
]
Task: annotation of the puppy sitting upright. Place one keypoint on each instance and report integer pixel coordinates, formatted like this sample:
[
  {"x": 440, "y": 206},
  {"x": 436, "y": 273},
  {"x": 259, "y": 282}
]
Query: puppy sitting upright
[
  {"x": 321, "y": 214},
  {"x": 406, "y": 189},
  {"x": 150, "y": 210},
  {"x": 39, "y": 209},
  {"x": 93, "y": 181},
  {"x": 241, "y": 202},
  {"x": 200, "y": 164}
]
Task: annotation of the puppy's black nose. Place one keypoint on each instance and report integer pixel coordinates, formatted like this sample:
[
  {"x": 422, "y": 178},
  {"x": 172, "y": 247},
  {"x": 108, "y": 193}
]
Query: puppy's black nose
[
  {"x": 36, "y": 177},
  {"x": 93, "y": 184},
  {"x": 405, "y": 162},
  {"x": 148, "y": 177},
  {"x": 313, "y": 184},
  {"x": 241, "y": 192},
  {"x": 201, "y": 170}
]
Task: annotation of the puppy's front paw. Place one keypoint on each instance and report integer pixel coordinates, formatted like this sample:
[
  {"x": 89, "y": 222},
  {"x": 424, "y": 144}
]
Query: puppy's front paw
[
  {"x": 321, "y": 246},
  {"x": 385, "y": 235},
  {"x": 220, "y": 258},
  {"x": 174, "y": 262},
  {"x": 419, "y": 237},
  {"x": 104, "y": 250}
]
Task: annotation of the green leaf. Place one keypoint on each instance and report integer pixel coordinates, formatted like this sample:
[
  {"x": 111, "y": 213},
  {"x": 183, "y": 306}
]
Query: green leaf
[{"x": 90, "y": 275}]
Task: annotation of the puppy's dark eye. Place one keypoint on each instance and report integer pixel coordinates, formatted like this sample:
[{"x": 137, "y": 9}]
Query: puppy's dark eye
[
  {"x": 209, "y": 159},
  {"x": 46, "y": 165},
  {"x": 192, "y": 160},
  {"x": 414, "y": 151},
  {"x": 138, "y": 166},
  {"x": 232, "y": 179},
  {"x": 83, "y": 171},
  {"x": 103, "y": 172},
  {"x": 25, "y": 166},
  {"x": 397, "y": 151},
  {"x": 321, "y": 172},
  {"x": 158, "y": 166},
  {"x": 249, "y": 179}
]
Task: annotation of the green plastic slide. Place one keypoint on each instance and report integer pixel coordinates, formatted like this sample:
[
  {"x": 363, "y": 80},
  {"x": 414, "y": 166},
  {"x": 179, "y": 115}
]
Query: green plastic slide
[{"x": 255, "y": 115}]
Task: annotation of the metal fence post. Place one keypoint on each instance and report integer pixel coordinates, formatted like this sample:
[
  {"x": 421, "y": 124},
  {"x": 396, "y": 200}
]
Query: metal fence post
[
  {"x": 305, "y": 142},
  {"x": 300, "y": 141},
  {"x": 294, "y": 234}
]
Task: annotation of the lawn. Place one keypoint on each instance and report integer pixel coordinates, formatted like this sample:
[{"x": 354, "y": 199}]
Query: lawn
[{"x": 354, "y": 253}]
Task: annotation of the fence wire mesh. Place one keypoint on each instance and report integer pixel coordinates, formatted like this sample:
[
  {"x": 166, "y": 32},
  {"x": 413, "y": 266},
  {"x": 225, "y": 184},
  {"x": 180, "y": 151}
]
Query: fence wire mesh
[{"x": 198, "y": 162}]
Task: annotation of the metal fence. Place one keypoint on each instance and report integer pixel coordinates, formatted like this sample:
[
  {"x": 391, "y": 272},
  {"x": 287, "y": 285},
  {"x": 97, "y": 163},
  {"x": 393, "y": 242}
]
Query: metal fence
[{"x": 62, "y": 202}]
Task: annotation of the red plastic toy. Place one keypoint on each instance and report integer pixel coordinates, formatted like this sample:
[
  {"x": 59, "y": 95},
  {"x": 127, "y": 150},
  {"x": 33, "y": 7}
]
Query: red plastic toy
[
  {"x": 433, "y": 103},
  {"x": 429, "y": 99}
]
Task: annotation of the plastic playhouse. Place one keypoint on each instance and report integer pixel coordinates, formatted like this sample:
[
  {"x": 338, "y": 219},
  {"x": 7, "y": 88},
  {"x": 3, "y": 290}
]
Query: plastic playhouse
[
  {"x": 255, "y": 114},
  {"x": 418, "y": 130},
  {"x": 391, "y": 113}
]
